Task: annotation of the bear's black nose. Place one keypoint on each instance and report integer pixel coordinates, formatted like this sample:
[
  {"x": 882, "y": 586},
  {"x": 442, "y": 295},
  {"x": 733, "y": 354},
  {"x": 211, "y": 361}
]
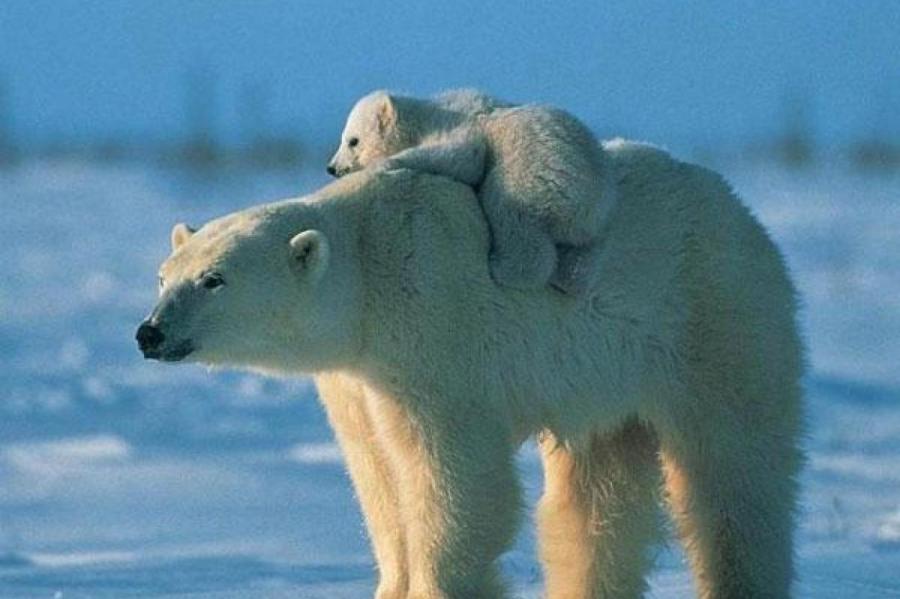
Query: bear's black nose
[
  {"x": 331, "y": 170},
  {"x": 149, "y": 337}
]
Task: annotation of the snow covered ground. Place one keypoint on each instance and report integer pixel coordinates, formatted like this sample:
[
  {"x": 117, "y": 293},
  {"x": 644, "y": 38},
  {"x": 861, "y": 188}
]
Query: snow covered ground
[{"x": 120, "y": 477}]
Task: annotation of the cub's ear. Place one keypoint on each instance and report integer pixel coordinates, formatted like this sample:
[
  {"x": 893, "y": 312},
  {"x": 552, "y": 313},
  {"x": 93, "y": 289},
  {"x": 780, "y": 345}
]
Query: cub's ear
[
  {"x": 309, "y": 253},
  {"x": 387, "y": 112},
  {"x": 180, "y": 234}
]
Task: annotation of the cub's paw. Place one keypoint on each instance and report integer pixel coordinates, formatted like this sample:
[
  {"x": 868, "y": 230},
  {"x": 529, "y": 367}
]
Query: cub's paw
[
  {"x": 570, "y": 283},
  {"x": 575, "y": 271},
  {"x": 520, "y": 272},
  {"x": 386, "y": 164},
  {"x": 391, "y": 170}
]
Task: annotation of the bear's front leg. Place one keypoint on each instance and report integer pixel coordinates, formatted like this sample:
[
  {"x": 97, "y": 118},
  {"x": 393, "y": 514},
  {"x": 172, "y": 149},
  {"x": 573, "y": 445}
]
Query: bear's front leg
[
  {"x": 459, "y": 495},
  {"x": 599, "y": 514},
  {"x": 373, "y": 479}
]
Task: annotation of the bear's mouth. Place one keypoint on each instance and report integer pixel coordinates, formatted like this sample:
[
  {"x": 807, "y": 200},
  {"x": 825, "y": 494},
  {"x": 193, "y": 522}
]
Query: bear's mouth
[{"x": 171, "y": 354}]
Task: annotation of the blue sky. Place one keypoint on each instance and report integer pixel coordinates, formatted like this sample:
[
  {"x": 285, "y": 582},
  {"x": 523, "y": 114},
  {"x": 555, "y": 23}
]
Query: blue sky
[{"x": 674, "y": 72}]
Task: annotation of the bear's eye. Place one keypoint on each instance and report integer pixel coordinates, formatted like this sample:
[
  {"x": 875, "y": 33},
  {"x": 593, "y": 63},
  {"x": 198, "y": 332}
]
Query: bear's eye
[
  {"x": 162, "y": 281},
  {"x": 212, "y": 280},
  {"x": 353, "y": 142}
]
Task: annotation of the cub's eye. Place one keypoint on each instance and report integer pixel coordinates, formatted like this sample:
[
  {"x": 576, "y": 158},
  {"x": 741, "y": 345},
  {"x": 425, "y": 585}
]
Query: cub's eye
[
  {"x": 353, "y": 142},
  {"x": 212, "y": 280},
  {"x": 162, "y": 282}
]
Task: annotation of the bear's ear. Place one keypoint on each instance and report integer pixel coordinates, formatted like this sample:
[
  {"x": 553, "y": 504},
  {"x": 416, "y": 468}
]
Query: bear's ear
[
  {"x": 180, "y": 234},
  {"x": 309, "y": 253},
  {"x": 386, "y": 112}
]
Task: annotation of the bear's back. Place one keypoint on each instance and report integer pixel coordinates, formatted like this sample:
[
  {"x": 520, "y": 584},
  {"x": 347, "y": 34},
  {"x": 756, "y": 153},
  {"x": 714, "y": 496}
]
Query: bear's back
[
  {"x": 684, "y": 269},
  {"x": 714, "y": 264}
]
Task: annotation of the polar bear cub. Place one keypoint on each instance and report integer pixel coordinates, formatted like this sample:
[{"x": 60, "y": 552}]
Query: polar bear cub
[{"x": 541, "y": 175}]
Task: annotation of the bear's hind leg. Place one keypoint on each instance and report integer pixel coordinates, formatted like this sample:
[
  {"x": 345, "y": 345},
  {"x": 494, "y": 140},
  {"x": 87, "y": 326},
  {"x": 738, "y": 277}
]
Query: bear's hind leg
[
  {"x": 732, "y": 502},
  {"x": 599, "y": 515}
]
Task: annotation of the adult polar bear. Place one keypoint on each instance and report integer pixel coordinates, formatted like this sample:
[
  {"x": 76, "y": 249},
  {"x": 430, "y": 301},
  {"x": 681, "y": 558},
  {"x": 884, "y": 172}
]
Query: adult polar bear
[{"x": 681, "y": 365}]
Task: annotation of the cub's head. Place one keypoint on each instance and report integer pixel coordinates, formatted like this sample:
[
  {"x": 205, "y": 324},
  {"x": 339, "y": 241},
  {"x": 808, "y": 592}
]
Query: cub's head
[
  {"x": 376, "y": 128},
  {"x": 256, "y": 289}
]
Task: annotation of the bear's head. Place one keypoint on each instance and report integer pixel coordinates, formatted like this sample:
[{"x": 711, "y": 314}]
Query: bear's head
[
  {"x": 376, "y": 128},
  {"x": 259, "y": 289}
]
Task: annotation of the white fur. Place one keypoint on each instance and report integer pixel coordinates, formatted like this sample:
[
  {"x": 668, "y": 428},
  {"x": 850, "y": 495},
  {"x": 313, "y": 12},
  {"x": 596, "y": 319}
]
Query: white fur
[
  {"x": 678, "y": 370},
  {"x": 541, "y": 176}
]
